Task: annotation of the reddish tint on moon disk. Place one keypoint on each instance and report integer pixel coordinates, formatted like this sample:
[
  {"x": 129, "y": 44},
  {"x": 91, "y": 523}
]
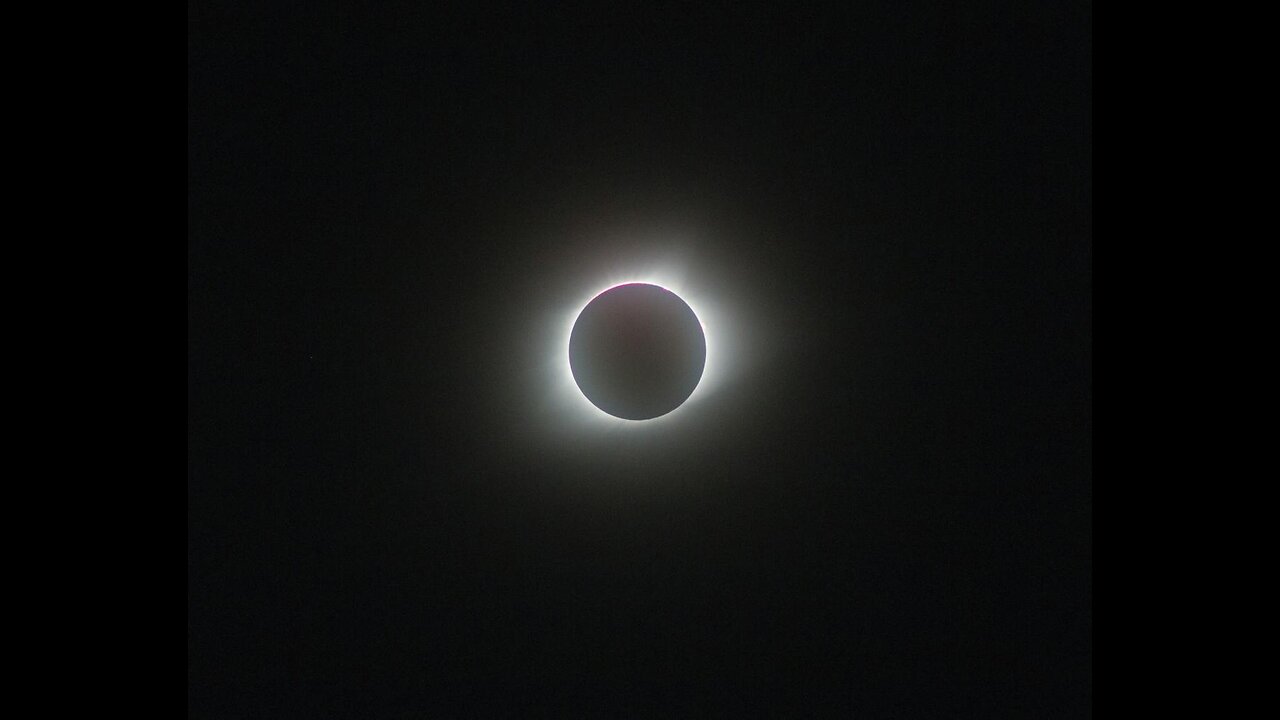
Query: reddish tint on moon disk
[{"x": 637, "y": 351}]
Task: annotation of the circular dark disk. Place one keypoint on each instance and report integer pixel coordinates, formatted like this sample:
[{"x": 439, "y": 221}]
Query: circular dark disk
[{"x": 637, "y": 351}]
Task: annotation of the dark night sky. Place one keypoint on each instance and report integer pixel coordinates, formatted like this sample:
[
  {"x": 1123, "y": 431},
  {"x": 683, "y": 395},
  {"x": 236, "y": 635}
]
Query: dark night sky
[{"x": 883, "y": 510}]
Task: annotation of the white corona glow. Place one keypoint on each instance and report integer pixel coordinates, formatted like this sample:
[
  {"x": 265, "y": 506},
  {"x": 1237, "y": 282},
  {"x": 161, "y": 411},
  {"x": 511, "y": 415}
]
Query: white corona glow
[{"x": 715, "y": 329}]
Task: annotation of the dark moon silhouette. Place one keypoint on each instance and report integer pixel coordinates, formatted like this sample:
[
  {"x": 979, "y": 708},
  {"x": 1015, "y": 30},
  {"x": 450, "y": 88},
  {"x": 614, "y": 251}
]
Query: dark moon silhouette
[{"x": 637, "y": 351}]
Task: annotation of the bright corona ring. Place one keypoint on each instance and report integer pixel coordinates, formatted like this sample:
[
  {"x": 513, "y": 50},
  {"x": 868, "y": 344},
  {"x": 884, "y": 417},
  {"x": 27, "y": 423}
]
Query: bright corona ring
[{"x": 637, "y": 351}]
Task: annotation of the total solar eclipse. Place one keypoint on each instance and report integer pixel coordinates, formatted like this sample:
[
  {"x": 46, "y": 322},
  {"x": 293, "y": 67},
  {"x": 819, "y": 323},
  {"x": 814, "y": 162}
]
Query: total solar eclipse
[{"x": 637, "y": 351}]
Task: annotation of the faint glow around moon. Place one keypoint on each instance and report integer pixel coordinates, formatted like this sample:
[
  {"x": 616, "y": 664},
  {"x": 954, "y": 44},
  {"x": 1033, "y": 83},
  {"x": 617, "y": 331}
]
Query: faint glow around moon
[{"x": 716, "y": 328}]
